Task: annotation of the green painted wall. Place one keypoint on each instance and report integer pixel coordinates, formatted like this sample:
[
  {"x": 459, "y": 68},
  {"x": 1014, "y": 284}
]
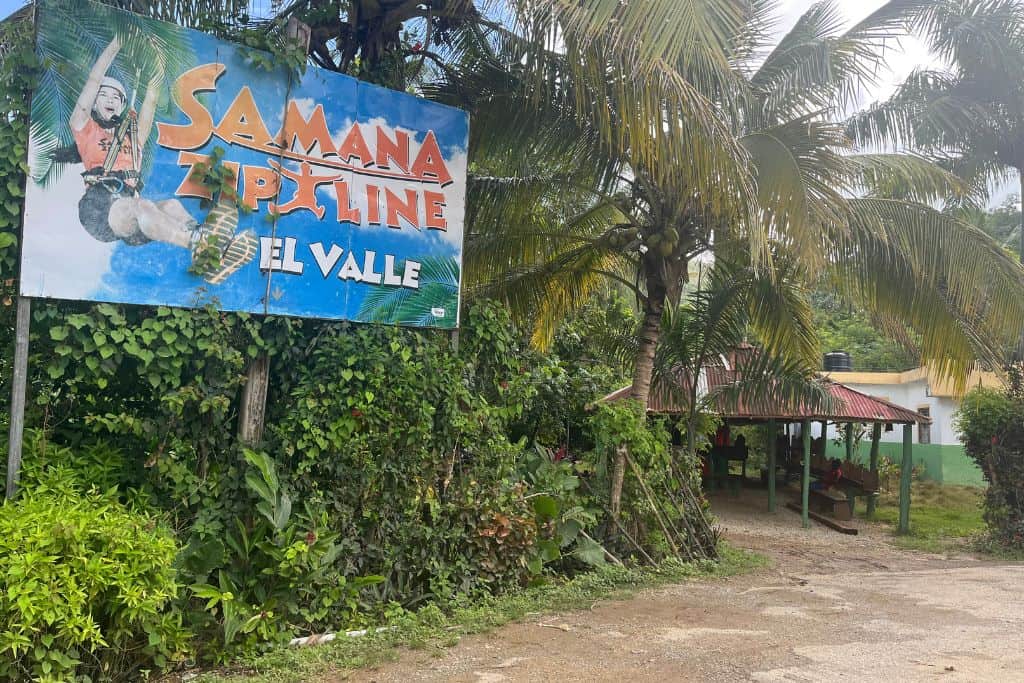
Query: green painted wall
[{"x": 944, "y": 464}]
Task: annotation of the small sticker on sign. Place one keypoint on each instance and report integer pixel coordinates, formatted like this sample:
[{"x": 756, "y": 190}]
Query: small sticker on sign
[{"x": 437, "y": 312}]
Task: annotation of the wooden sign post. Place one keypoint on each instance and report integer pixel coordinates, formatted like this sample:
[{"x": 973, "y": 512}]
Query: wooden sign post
[
  {"x": 252, "y": 413},
  {"x": 18, "y": 387}
]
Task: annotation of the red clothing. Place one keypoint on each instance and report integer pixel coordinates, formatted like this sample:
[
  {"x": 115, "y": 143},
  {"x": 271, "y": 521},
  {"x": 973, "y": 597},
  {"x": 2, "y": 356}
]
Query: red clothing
[
  {"x": 93, "y": 142},
  {"x": 832, "y": 478}
]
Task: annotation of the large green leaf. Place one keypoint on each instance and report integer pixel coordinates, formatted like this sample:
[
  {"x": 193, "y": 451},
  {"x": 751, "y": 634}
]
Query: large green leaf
[
  {"x": 438, "y": 291},
  {"x": 589, "y": 552}
]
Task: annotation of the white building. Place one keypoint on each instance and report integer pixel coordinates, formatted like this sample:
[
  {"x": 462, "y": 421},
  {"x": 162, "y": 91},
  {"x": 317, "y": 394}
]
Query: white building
[{"x": 937, "y": 446}]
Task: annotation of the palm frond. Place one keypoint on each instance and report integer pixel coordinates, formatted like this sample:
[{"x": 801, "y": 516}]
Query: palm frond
[
  {"x": 906, "y": 176},
  {"x": 945, "y": 279},
  {"x": 763, "y": 384},
  {"x": 975, "y": 35},
  {"x": 800, "y": 175},
  {"x": 715, "y": 323},
  {"x": 653, "y": 113},
  {"x": 816, "y": 66},
  {"x": 438, "y": 291}
]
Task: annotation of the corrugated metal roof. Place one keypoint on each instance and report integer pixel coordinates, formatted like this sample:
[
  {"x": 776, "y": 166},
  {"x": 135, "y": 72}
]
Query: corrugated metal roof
[{"x": 850, "y": 405}]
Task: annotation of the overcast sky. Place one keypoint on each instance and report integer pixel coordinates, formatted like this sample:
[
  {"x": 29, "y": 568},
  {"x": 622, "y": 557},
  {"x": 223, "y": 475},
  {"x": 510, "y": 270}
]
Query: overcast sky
[{"x": 905, "y": 55}]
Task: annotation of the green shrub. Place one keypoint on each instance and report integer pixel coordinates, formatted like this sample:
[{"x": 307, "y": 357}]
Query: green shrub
[
  {"x": 88, "y": 465},
  {"x": 392, "y": 446},
  {"x": 564, "y": 514},
  {"x": 87, "y": 589},
  {"x": 656, "y": 503},
  {"x": 404, "y": 444},
  {"x": 275, "y": 573},
  {"x": 991, "y": 425}
]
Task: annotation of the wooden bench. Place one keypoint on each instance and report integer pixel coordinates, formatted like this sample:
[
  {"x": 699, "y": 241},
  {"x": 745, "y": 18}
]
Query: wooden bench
[
  {"x": 833, "y": 503},
  {"x": 858, "y": 481},
  {"x": 718, "y": 461}
]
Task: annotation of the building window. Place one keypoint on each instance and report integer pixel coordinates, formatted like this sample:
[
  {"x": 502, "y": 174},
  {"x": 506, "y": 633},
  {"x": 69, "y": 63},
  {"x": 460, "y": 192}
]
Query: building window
[{"x": 924, "y": 430}]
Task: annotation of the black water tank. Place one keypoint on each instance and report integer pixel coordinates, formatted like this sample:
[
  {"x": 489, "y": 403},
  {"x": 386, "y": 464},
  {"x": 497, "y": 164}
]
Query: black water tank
[{"x": 838, "y": 361}]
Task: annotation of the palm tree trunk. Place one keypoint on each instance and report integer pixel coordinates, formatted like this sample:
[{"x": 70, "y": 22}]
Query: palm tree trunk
[
  {"x": 650, "y": 331},
  {"x": 643, "y": 369},
  {"x": 1020, "y": 174}
]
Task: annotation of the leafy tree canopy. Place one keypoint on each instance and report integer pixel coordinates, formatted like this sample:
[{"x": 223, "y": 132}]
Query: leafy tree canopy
[
  {"x": 1002, "y": 224},
  {"x": 841, "y": 327}
]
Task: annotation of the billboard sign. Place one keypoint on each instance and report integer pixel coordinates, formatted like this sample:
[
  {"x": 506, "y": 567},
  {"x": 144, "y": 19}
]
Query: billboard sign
[{"x": 342, "y": 200}]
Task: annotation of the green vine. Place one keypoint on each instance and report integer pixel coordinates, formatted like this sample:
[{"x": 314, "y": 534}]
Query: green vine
[
  {"x": 264, "y": 46},
  {"x": 19, "y": 70},
  {"x": 221, "y": 182}
]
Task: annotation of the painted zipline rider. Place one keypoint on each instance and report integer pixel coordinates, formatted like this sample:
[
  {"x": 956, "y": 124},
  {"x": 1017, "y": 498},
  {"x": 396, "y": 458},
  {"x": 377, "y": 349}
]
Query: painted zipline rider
[{"x": 110, "y": 138}]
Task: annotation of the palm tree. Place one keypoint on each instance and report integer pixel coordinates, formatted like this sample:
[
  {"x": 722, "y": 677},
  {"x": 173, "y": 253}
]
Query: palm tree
[
  {"x": 969, "y": 116},
  {"x": 374, "y": 40},
  {"x": 731, "y": 304},
  {"x": 612, "y": 107},
  {"x": 568, "y": 200}
]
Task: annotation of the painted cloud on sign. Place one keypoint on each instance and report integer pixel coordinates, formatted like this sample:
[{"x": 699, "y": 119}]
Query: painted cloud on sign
[{"x": 62, "y": 257}]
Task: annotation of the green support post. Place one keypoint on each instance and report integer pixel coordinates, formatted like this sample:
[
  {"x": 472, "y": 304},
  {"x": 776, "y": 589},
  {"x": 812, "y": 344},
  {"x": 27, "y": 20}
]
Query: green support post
[
  {"x": 905, "y": 471},
  {"x": 772, "y": 438},
  {"x": 876, "y": 436},
  {"x": 805, "y": 482},
  {"x": 849, "y": 441}
]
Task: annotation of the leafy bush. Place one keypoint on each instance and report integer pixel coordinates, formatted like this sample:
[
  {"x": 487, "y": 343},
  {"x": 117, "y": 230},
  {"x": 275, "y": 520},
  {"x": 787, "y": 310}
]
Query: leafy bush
[
  {"x": 991, "y": 425},
  {"x": 46, "y": 464},
  {"x": 390, "y": 456},
  {"x": 563, "y": 514},
  {"x": 658, "y": 484},
  {"x": 87, "y": 589},
  {"x": 580, "y": 368},
  {"x": 274, "y": 572},
  {"x": 391, "y": 459},
  {"x": 405, "y": 445}
]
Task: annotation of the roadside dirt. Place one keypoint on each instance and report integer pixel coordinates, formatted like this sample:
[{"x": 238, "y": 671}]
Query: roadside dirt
[{"x": 829, "y": 607}]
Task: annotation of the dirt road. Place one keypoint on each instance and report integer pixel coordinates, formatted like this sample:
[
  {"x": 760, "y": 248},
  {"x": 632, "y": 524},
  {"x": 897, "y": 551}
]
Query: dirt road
[{"x": 828, "y": 608}]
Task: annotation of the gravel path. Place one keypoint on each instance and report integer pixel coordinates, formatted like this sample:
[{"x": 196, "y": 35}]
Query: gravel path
[{"x": 830, "y": 607}]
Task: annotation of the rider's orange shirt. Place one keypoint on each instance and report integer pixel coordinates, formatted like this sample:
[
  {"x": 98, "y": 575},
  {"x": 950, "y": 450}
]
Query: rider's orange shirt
[{"x": 93, "y": 143}]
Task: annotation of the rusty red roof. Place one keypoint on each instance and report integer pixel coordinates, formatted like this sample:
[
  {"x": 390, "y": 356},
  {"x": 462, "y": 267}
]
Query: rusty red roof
[{"x": 850, "y": 405}]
